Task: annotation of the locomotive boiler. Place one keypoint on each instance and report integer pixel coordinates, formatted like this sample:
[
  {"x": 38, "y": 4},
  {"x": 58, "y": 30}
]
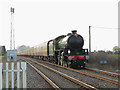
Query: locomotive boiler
[{"x": 66, "y": 50}]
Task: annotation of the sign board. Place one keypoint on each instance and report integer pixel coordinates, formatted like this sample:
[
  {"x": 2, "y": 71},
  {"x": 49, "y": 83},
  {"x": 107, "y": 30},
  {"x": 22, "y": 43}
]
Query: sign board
[
  {"x": 11, "y": 55},
  {"x": 103, "y": 62}
]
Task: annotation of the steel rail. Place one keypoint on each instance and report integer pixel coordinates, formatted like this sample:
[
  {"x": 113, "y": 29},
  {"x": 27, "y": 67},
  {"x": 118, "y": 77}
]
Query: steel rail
[
  {"x": 68, "y": 77},
  {"x": 92, "y": 75},
  {"x": 45, "y": 77},
  {"x": 104, "y": 72}
]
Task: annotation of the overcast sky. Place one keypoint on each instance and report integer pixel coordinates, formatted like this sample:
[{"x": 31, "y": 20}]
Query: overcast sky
[{"x": 37, "y": 21}]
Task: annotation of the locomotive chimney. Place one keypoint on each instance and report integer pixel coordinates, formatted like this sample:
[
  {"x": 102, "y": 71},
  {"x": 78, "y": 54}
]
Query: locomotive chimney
[{"x": 74, "y": 31}]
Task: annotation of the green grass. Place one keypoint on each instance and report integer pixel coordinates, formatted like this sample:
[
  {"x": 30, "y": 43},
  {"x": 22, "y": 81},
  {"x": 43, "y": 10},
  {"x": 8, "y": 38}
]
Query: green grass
[
  {"x": 119, "y": 55},
  {"x": 102, "y": 67},
  {"x": 115, "y": 55},
  {"x": 112, "y": 61},
  {"x": 1, "y": 57}
]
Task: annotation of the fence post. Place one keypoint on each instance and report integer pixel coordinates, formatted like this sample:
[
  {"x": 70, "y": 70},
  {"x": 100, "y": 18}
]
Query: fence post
[
  {"x": 18, "y": 75},
  {"x": 12, "y": 75},
  {"x": 7, "y": 75},
  {"x": 23, "y": 66},
  {"x": 0, "y": 76}
]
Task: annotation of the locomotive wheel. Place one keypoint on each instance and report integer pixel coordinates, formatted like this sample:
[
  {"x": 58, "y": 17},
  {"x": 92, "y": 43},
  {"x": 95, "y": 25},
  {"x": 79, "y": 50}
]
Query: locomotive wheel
[
  {"x": 58, "y": 62},
  {"x": 83, "y": 66},
  {"x": 61, "y": 62},
  {"x": 68, "y": 65},
  {"x": 65, "y": 64}
]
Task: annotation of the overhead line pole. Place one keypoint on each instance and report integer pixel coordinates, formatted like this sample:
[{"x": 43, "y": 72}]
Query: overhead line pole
[{"x": 89, "y": 39}]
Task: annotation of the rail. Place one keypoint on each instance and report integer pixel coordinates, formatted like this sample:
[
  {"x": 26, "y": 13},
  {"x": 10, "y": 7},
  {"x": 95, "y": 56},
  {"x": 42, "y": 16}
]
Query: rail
[
  {"x": 67, "y": 77},
  {"x": 104, "y": 72},
  {"x": 92, "y": 75},
  {"x": 45, "y": 77}
]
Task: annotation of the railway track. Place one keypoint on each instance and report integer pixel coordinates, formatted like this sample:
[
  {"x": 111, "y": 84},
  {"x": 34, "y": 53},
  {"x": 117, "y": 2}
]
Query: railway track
[
  {"x": 89, "y": 74},
  {"x": 104, "y": 72},
  {"x": 62, "y": 74},
  {"x": 90, "y": 69},
  {"x": 92, "y": 75},
  {"x": 115, "y": 82},
  {"x": 45, "y": 77}
]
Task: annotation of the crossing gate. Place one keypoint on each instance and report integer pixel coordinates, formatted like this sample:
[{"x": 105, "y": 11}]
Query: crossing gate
[{"x": 12, "y": 71}]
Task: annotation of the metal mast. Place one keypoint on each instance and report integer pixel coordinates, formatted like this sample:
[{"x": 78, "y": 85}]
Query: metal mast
[{"x": 12, "y": 35}]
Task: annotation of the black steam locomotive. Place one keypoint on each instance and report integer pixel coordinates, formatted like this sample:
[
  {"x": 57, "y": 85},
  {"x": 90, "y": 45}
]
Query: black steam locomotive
[
  {"x": 69, "y": 50},
  {"x": 66, "y": 50}
]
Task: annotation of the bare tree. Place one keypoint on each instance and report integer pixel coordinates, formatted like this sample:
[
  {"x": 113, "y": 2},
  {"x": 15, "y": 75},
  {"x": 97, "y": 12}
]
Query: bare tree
[{"x": 22, "y": 47}]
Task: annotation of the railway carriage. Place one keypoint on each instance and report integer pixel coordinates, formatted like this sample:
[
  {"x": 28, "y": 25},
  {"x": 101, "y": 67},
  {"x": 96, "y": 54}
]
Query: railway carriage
[{"x": 66, "y": 50}]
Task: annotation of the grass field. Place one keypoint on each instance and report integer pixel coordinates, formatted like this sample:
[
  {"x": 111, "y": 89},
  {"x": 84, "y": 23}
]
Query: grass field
[
  {"x": 111, "y": 65},
  {"x": 119, "y": 55},
  {"x": 1, "y": 57},
  {"x": 115, "y": 55}
]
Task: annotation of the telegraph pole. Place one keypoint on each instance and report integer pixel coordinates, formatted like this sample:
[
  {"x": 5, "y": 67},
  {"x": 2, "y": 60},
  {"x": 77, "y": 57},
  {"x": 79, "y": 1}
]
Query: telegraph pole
[{"x": 89, "y": 39}]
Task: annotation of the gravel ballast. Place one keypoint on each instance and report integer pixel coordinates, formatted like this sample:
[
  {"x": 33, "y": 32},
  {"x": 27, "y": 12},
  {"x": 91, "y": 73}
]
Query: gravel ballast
[{"x": 84, "y": 78}]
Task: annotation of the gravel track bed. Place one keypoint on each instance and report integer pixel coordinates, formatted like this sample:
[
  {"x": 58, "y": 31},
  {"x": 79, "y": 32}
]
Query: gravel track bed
[
  {"x": 84, "y": 78},
  {"x": 57, "y": 79},
  {"x": 34, "y": 80}
]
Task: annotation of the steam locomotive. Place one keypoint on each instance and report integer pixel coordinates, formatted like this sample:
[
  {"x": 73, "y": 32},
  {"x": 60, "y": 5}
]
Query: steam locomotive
[{"x": 66, "y": 50}]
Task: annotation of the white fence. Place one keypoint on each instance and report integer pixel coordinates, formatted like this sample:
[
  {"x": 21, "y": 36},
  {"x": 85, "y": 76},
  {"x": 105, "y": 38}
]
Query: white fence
[{"x": 12, "y": 71}]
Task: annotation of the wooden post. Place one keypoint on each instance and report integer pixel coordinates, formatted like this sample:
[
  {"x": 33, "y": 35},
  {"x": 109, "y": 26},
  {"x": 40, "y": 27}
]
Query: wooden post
[
  {"x": 12, "y": 71},
  {"x": 18, "y": 75},
  {"x": 23, "y": 66},
  {"x": 12, "y": 75},
  {"x": 0, "y": 76},
  {"x": 7, "y": 84}
]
